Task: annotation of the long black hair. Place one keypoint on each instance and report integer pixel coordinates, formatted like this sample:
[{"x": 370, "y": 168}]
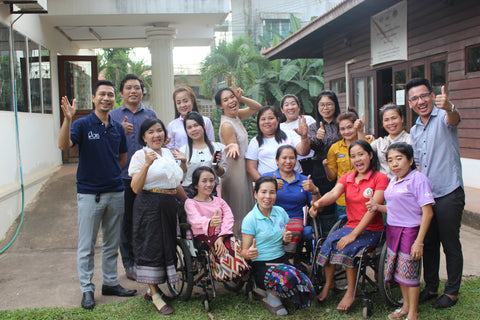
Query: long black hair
[
  {"x": 279, "y": 134},
  {"x": 332, "y": 96},
  {"x": 374, "y": 164},
  {"x": 198, "y": 118}
]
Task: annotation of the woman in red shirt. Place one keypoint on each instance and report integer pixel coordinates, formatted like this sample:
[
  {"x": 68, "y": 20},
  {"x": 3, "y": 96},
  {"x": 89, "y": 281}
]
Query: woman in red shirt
[{"x": 363, "y": 227}]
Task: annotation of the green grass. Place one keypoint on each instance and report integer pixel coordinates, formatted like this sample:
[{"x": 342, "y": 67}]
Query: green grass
[{"x": 236, "y": 306}]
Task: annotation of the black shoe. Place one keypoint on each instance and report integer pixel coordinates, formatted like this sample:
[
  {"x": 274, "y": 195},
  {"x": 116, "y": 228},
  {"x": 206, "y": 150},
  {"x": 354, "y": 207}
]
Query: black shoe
[
  {"x": 425, "y": 295},
  {"x": 117, "y": 290},
  {"x": 88, "y": 302},
  {"x": 130, "y": 273},
  {"x": 444, "y": 302}
]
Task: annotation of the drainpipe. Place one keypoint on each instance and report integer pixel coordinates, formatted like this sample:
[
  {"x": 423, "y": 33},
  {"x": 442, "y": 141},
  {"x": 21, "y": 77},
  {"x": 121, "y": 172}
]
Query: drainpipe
[{"x": 347, "y": 82}]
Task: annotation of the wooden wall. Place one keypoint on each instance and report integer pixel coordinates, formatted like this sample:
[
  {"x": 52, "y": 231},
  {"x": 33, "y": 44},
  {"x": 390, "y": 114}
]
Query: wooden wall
[{"x": 434, "y": 27}]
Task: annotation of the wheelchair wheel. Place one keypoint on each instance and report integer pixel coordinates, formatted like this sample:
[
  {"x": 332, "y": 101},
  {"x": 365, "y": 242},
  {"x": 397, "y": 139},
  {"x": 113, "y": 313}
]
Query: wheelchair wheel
[
  {"x": 317, "y": 274},
  {"x": 390, "y": 291},
  {"x": 183, "y": 288}
]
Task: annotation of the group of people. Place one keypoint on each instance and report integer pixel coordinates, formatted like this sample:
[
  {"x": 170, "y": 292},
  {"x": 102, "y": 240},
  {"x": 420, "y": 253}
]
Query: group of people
[{"x": 133, "y": 171}]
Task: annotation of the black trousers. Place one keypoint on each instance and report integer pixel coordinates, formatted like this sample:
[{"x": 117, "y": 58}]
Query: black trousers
[
  {"x": 445, "y": 229},
  {"x": 126, "y": 249}
]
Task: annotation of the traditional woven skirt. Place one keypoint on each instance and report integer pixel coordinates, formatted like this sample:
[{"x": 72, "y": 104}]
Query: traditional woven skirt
[
  {"x": 329, "y": 252},
  {"x": 400, "y": 265},
  {"x": 288, "y": 282},
  {"x": 154, "y": 236},
  {"x": 229, "y": 267}
]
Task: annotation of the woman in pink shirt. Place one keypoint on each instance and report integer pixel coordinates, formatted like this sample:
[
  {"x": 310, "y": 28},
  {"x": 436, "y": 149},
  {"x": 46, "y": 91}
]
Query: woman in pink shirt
[{"x": 211, "y": 220}]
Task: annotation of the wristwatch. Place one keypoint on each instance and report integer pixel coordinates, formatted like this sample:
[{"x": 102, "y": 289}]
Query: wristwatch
[{"x": 452, "y": 109}]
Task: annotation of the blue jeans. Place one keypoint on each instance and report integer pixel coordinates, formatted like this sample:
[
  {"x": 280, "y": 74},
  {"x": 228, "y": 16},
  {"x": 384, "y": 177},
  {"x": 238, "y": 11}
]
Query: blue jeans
[{"x": 109, "y": 212}]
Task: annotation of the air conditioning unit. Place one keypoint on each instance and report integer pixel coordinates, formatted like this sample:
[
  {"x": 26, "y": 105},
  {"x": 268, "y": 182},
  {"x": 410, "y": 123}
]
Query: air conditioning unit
[{"x": 27, "y": 6}]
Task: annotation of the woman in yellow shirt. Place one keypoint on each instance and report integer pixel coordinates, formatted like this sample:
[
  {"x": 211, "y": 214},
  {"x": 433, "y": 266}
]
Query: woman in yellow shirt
[{"x": 337, "y": 163}]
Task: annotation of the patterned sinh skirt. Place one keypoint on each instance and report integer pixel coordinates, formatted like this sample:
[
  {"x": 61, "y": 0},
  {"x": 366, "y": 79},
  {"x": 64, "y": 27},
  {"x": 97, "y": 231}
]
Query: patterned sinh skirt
[
  {"x": 288, "y": 282},
  {"x": 154, "y": 236},
  {"x": 229, "y": 267},
  {"x": 329, "y": 252},
  {"x": 400, "y": 265}
]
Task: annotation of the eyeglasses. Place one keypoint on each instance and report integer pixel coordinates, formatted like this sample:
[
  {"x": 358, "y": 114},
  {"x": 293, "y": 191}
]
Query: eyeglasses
[
  {"x": 326, "y": 105},
  {"x": 423, "y": 96}
]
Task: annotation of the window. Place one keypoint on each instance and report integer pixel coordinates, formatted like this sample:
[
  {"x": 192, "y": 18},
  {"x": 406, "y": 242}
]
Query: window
[
  {"x": 5, "y": 92},
  {"x": 275, "y": 27},
  {"x": 438, "y": 75},
  {"x": 473, "y": 58},
  {"x": 20, "y": 70},
  {"x": 34, "y": 74},
  {"x": 337, "y": 85},
  {"x": 46, "y": 80}
]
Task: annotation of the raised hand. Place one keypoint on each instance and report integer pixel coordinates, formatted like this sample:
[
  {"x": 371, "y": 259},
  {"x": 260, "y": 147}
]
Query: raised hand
[
  {"x": 302, "y": 127},
  {"x": 279, "y": 182},
  {"x": 68, "y": 110},
  {"x": 308, "y": 184},
  {"x": 179, "y": 155},
  {"x": 127, "y": 126},
  {"x": 442, "y": 102},
  {"x": 237, "y": 91},
  {"x": 149, "y": 157},
  {"x": 313, "y": 211},
  {"x": 216, "y": 220},
  {"x": 233, "y": 151},
  {"x": 321, "y": 132},
  {"x": 252, "y": 252}
]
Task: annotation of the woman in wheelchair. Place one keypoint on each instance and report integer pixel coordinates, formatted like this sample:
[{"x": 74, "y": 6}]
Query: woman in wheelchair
[
  {"x": 363, "y": 228},
  {"x": 409, "y": 205},
  {"x": 263, "y": 236},
  {"x": 295, "y": 191},
  {"x": 211, "y": 220}
]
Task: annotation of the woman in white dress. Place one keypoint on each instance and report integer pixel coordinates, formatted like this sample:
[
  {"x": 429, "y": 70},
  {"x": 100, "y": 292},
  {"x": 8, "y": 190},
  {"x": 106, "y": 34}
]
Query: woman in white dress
[{"x": 236, "y": 185}]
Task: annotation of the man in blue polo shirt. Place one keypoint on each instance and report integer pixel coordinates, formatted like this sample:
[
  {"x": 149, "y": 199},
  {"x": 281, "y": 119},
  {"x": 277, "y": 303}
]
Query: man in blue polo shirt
[
  {"x": 434, "y": 138},
  {"x": 131, "y": 115},
  {"x": 102, "y": 149}
]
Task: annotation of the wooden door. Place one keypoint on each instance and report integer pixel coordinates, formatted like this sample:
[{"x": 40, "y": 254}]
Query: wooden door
[{"x": 77, "y": 75}]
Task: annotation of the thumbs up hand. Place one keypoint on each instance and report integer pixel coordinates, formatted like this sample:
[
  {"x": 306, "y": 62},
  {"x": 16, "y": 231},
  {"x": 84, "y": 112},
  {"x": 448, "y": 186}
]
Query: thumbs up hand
[
  {"x": 279, "y": 182},
  {"x": 308, "y": 184},
  {"x": 442, "y": 102},
  {"x": 321, "y": 132},
  {"x": 359, "y": 123},
  {"x": 127, "y": 126},
  {"x": 149, "y": 157},
  {"x": 372, "y": 205},
  {"x": 253, "y": 251},
  {"x": 216, "y": 220}
]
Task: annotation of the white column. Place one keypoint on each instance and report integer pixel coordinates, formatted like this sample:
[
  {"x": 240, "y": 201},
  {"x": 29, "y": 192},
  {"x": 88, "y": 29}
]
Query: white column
[{"x": 161, "y": 48}]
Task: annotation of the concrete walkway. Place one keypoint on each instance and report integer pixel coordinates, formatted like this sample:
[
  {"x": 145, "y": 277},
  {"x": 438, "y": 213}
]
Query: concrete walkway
[{"x": 39, "y": 270}]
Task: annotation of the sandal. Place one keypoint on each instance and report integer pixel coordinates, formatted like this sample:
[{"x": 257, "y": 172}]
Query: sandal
[
  {"x": 273, "y": 310},
  {"x": 160, "y": 305},
  {"x": 397, "y": 314}
]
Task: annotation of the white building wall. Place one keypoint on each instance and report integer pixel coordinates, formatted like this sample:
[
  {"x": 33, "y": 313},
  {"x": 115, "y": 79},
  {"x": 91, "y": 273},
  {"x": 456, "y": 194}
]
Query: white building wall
[{"x": 38, "y": 132}]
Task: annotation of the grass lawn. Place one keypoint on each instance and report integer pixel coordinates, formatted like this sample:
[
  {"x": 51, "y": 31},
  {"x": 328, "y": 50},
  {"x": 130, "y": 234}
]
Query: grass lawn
[{"x": 236, "y": 306}]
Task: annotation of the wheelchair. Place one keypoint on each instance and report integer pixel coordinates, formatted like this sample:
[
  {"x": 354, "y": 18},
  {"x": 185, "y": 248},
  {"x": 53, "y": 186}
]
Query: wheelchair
[
  {"x": 193, "y": 267},
  {"x": 372, "y": 259}
]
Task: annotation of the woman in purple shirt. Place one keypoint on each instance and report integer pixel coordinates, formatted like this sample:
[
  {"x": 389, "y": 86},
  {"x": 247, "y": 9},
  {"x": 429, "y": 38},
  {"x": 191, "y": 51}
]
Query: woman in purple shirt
[{"x": 409, "y": 205}]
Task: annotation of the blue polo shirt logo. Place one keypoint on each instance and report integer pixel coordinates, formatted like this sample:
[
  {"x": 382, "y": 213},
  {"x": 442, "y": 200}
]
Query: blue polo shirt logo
[{"x": 93, "y": 136}]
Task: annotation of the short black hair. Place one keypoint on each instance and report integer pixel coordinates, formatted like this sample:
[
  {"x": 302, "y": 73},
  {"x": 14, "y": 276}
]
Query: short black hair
[
  {"x": 103, "y": 83},
  {"x": 198, "y": 172},
  {"x": 283, "y": 147},
  {"x": 405, "y": 149},
  {"x": 391, "y": 106},
  {"x": 146, "y": 125},
  {"x": 131, "y": 76},
  {"x": 415, "y": 82},
  {"x": 264, "y": 179},
  {"x": 218, "y": 95}
]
